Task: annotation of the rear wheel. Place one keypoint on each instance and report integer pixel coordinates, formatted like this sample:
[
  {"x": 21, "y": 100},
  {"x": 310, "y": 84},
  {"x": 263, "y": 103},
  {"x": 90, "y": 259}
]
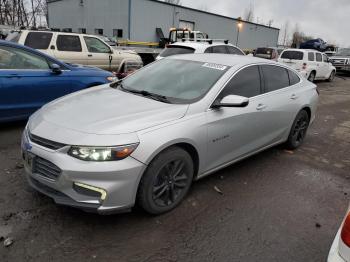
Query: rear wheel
[
  {"x": 312, "y": 77},
  {"x": 166, "y": 181},
  {"x": 331, "y": 77},
  {"x": 298, "y": 131}
]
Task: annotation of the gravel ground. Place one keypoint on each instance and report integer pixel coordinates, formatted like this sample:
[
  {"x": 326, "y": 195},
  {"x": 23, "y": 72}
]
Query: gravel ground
[{"x": 276, "y": 206}]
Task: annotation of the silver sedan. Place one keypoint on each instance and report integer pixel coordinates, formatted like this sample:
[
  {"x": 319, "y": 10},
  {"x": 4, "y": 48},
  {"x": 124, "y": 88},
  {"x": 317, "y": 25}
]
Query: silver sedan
[{"x": 145, "y": 139}]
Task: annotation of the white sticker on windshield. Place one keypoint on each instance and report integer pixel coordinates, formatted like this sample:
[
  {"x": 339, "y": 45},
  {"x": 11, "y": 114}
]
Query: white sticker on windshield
[{"x": 215, "y": 66}]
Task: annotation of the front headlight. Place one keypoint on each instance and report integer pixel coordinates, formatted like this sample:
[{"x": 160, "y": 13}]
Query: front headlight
[
  {"x": 99, "y": 154},
  {"x": 112, "y": 79}
]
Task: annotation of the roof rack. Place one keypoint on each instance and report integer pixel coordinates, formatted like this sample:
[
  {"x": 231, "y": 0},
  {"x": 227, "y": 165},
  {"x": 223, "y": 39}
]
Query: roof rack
[{"x": 209, "y": 41}]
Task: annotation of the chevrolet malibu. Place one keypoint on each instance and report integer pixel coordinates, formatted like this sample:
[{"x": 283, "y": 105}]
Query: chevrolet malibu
[{"x": 145, "y": 139}]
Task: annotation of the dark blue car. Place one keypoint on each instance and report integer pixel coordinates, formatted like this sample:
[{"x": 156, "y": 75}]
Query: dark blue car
[
  {"x": 317, "y": 44},
  {"x": 29, "y": 79}
]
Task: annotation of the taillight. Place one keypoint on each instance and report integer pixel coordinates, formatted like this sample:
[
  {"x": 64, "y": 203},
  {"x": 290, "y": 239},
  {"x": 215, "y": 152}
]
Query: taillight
[
  {"x": 345, "y": 232},
  {"x": 304, "y": 66}
]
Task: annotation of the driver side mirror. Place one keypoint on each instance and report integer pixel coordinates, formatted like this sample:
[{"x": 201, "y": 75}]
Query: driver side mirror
[
  {"x": 56, "y": 69},
  {"x": 231, "y": 101}
]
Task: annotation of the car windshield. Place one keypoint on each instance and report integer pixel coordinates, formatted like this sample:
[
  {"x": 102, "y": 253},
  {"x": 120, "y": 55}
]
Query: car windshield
[
  {"x": 176, "y": 50},
  {"x": 179, "y": 81},
  {"x": 293, "y": 55},
  {"x": 344, "y": 52}
]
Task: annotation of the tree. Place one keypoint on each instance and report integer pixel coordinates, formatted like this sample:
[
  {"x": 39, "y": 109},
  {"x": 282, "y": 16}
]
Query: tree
[
  {"x": 175, "y": 2},
  {"x": 23, "y": 12},
  {"x": 284, "y": 36},
  {"x": 249, "y": 13}
]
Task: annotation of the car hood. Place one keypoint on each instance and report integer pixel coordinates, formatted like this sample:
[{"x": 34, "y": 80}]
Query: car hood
[
  {"x": 106, "y": 111},
  {"x": 339, "y": 57}
]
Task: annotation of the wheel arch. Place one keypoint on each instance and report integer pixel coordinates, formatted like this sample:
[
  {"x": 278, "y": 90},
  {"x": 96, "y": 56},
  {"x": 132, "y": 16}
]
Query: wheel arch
[{"x": 186, "y": 145}]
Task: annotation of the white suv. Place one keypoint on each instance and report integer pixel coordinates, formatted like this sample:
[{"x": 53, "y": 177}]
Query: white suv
[
  {"x": 206, "y": 46},
  {"x": 76, "y": 48},
  {"x": 312, "y": 64}
]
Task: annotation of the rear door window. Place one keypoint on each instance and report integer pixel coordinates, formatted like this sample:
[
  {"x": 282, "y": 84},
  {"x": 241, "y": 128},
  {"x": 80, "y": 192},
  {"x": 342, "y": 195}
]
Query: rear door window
[
  {"x": 177, "y": 50},
  {"x": 318, "y": 57},
  {"x": 275, "y": 77},
  {"x": 311, "y": 56},
  {"x": 293, "y": 55},
  {"x": 68, "y": 43},
  {"x": 38, "y": 40},
  {"x": 233, "y": 50},
  {"x": 245, "y": 83},
  {"x": 293, "y": 78}
]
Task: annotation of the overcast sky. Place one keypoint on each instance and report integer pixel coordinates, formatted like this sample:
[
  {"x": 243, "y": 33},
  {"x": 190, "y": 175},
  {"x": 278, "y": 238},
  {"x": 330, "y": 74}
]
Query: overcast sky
[{"x": 327, "y": 19}]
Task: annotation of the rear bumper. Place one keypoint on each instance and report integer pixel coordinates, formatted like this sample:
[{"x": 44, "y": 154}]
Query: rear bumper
[{"x": 334, "y": 253}]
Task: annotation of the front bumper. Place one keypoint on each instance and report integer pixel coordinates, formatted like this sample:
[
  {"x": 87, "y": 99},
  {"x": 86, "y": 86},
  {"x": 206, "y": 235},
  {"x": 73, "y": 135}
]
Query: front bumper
[{"x": 118, "y": 179}]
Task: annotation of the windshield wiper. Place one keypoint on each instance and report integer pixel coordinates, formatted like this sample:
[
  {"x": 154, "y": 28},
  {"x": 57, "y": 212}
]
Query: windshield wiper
[{"x": 145, "y": 93}]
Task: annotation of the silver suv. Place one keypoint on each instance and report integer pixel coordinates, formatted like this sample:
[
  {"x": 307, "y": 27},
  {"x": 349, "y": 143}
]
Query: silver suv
[{"x": 145, "y": 139}]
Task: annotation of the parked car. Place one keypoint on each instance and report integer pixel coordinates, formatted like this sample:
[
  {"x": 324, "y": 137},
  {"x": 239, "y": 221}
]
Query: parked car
[
  {"x": 341, "y": 60},
  {"x": 340, "y": 250},
  {"x": 316, "y": 44},
  {"x": 146, "y": 138},
  {"x": 312, "y": 64},
  {"x": 76, "y": 48},
  {"x": 207, "y": 46},
  {"x": 29, "y": 79},
  {"x": 270, "y": 53}
]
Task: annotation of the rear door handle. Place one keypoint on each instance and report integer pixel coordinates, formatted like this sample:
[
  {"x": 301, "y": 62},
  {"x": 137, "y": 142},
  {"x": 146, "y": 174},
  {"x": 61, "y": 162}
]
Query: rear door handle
[
  {"x": 294, "y": 97},
  {"x": 89, "y": 55},
  {"x": 261, "y": 107}
]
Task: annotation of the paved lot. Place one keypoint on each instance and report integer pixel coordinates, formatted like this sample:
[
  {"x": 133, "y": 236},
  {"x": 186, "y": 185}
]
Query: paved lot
[{"x": 276, "y": 206}]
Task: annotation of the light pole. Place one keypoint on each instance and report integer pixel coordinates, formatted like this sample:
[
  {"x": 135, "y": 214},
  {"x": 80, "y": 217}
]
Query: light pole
[{"x": 239, "y": 26}]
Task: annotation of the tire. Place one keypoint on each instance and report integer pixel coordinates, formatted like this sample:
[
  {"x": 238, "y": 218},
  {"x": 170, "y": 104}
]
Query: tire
[
  {"x": 331, "y": 77},
  {"x": 166, "y": 181},
  {"x": 298, "y": 131},
  {"x": 312, "y": 77}
]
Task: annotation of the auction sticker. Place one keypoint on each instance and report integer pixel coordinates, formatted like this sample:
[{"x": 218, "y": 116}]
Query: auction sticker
[{"x": 215, "y": 66}]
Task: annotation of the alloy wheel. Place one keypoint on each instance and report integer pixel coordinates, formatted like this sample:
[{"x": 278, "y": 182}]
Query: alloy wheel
[{"x": 170, "y": 182}]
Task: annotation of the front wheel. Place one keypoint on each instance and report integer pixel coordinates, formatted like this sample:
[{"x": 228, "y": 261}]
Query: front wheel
[
  {"x": 298, "y": 131},
  {"x": 331, "y": 77},
  {"x": 166, "y": 181}
]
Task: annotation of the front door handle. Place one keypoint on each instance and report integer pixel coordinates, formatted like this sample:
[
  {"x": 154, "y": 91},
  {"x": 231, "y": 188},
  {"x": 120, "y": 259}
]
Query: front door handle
[
  {"x": 261, "y": 107},
  {"x": 89, "y": 55},
  {"x": 294, "y": 97}
]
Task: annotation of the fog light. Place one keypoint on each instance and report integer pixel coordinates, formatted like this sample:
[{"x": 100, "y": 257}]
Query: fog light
[{"x": 92, "y": 188}]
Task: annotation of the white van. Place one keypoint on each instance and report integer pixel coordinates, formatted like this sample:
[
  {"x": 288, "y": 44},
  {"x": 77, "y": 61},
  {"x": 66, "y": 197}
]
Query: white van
[
  {"x": 76, "y": 48},
  {"x": 312, "y": 64}
]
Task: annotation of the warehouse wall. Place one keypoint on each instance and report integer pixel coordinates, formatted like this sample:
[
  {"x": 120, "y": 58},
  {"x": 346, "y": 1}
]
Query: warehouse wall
[
  {"x": 147, "y": 15},
  {"x": 92, "y": 14}
]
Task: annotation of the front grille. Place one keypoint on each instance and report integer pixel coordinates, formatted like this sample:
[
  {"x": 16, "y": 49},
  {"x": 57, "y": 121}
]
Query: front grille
[
  {"x": 45, "y": 168},
  {"x": 45, "y": 142},
  {"x": 338, "y": 61}
]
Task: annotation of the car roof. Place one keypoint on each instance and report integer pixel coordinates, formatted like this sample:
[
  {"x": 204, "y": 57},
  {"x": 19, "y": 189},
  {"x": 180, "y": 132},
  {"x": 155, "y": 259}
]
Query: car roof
[
  {"x": 199, "y": 45},
  {"x": 223, "y": 59},
  {"x": 55, "y": 32},
  {"x": 302, "y": 50}
]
